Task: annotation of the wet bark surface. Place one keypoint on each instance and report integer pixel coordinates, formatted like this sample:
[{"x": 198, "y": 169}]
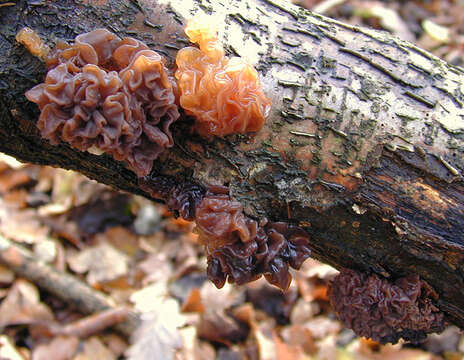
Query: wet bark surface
[{"x": 364, "y": 147}]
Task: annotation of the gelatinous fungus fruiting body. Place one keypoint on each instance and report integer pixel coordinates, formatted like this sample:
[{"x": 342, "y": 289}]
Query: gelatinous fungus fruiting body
[
  {"x": 383, "y": 310},
  {"x": 182, "y": 198},
  {"x": 32, "y": 41},
  {"x": 106, "y": 94},
  {"x": 224, "y": 95},
  {"x": 238, "y": 248}
]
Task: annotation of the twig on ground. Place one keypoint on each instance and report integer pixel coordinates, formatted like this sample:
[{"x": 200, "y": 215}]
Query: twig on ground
[
  {"x": 64, "y": 286},
  {"x": 87, "y": 326}
]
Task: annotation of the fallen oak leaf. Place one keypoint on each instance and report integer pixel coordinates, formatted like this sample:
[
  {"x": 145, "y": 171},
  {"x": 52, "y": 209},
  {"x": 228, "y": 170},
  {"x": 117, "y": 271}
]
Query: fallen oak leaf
[
  {"x": 157, "y": 337},
  {"x": 102, "y": 263},
  {"x": 60, "y": 348},
  {"x": 94, "y": 348},
  {"x": 193, "y": 302},
  {"x": 21, "y": 225},
  {"x": 22, "y": 306},
  {"x": 219, "y": 327}
]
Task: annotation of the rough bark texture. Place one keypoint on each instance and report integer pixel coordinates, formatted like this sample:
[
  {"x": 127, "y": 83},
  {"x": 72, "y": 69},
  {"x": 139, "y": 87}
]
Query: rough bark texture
[{"x": 364, "y": 147}]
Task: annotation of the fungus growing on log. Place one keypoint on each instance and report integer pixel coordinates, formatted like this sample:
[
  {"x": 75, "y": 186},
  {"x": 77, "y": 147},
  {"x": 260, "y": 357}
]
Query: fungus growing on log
[
  {"x": 224, "y": 95},
  {"x": 182, "y": 198},
  {"x": 383, "y": 310},
  {"x": 240, "y": 250},
  {"x": 106, "y": 94}
]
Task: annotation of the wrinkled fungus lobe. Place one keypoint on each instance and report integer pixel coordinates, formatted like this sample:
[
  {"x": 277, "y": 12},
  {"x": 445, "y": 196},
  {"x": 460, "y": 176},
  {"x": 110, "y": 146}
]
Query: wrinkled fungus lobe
[
  {"x": 224, "y": 95},
  {"x": 182, "y": 198},
  {"x": 383, "y": 310},
  {"x": 240, "y": 250},
  {"x": 106, "y": 94}
]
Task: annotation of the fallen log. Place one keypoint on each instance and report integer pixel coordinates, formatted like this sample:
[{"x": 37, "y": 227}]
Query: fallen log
[{"x": 363, "y": 148}]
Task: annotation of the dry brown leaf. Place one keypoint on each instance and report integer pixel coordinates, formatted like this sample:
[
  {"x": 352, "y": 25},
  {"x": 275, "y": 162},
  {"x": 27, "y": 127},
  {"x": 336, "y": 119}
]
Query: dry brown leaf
[
  {"x": 297, "y": 335},
  {"x": 186, "y": 258},
  {"x": 193, "y": 302},
  {"x": 115, "y": 343},
  {"x": 192, "y": 349},
  {"x": 178, "y": 225},
  {"x": 220, "y": 299},
  {"x": 101, "y": 262},
  {"x": 45, "y": 179},
  {"x": 218, "y": 326},
  {"x": 17, "y": 198},
  {"x": 303, "y": 311},
  {"x": 156, "y": 267},
  {"x": 23, "y": 306},
  {"x": 60, "y": 348},
  {"x": 320, "y": 292},
  {"x": 93, "y": 348},
  {"x": 314, "y": 268},
  {"x": 45, "y": 250},
  {"x": 148, "y": 218},
  {"x": 360, "y": 350},
  {"x": 148, "y": 298},
  {"x": 11, "y": 179},
  {"x": 246, "y": 314},
  {"x": 152, "y": 243},
  {"x": 321, "y": 327},
  {"x": 6, "y": 275},
  {"x": 461, "y": 344},
  {"x": 21, "y": 225},
  {"x": 157, "y": 337},
  {"x": 121, "y": 238},
  {"x": 7, "y": 349},
  {"x": 3, "y": 293},
  {"x": 273, "y": 301},
  {"x": 69, "y": 189},
  {"x": 328, "y": 349},
  {"x": 286, "y": 351},
  {"x": 266, "y": 344},
  {"x": 62, "y": 228},
  {"x": 11, "y": 162}
]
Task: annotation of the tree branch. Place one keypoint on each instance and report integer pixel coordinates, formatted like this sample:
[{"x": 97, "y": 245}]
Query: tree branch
[{"x": 363, "y": 149}]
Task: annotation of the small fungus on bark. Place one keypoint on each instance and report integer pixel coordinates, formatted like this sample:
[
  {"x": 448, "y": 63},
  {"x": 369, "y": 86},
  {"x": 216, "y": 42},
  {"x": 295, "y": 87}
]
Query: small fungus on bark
[
  {"x": 109, "y": 95},
  {"x": 383, "y": 310},
  {"x": 33, "y": 43},
  {"x": 224, "y": 95}
]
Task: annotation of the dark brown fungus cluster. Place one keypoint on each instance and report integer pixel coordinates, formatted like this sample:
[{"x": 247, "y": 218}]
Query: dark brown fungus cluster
[
  {"x": 106, "y": 94},
  {"x": 181, "y": 197},
  {"x": 383, "y": 310},
  {"x": 240, "y": 250}
]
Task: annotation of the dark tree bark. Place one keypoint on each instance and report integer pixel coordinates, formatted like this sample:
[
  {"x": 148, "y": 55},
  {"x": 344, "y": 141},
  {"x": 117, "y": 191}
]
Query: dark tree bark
[{"x": 364, "y": 147}]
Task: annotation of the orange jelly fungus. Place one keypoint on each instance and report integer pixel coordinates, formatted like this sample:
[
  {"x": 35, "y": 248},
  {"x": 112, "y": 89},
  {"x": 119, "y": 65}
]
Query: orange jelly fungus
[
  {"x": 224, "y": 95},
  {"x": 31, "y": 40}
]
